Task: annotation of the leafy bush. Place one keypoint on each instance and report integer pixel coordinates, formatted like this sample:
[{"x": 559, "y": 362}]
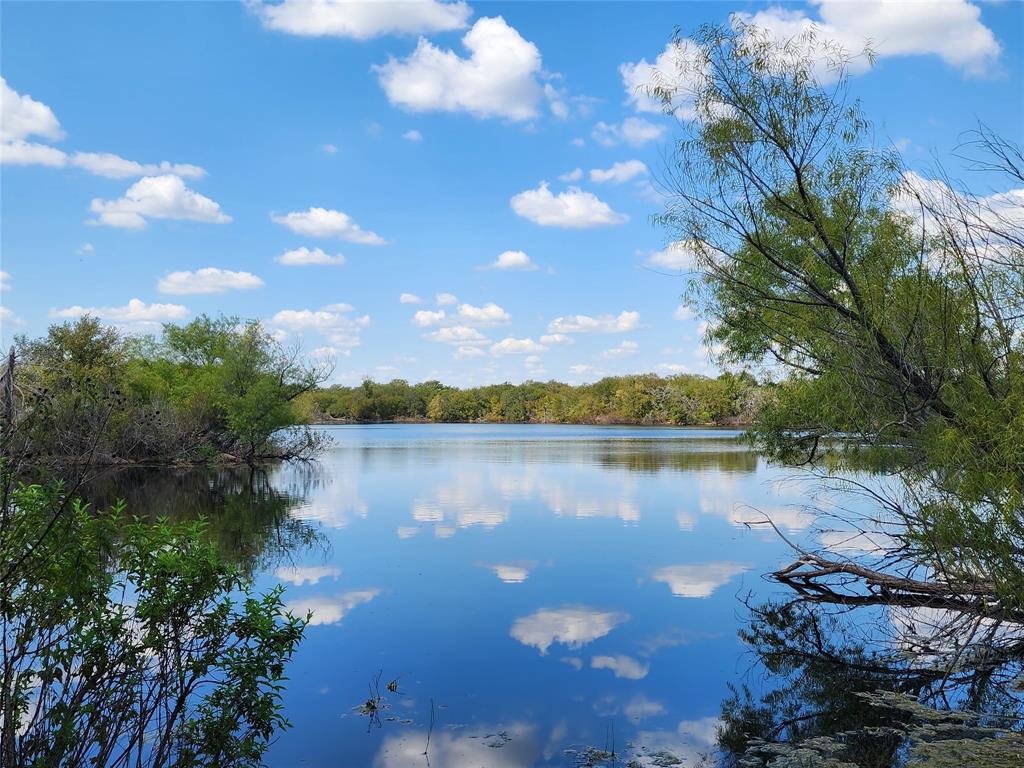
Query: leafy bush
[
  {"x": 212, "y": 387},
  {"x": 131, "y": 643}
]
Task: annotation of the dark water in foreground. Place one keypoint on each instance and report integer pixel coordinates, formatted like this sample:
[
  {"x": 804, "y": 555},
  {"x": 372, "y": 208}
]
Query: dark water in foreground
[{"x": 532, "y": 589}]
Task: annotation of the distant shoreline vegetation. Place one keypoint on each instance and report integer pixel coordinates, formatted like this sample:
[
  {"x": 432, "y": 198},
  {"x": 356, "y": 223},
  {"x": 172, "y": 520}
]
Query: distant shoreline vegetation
[
  {"x": 223, "y": 391},
  {"x": 729, "y": 400}
]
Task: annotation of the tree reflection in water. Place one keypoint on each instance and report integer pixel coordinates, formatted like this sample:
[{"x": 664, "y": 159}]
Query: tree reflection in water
[
  {"x": 866, "y": 673},
  {"x": 247, "y": 510}
]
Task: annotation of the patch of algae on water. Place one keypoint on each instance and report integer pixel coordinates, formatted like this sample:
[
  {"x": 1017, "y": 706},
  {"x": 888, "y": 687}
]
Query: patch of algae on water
[{"x": 932, "y": 738}]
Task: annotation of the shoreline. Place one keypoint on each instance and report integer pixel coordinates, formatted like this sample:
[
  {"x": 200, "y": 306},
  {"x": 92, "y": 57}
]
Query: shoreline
[
  {"x": 607, "y": 423},
  {"x": 226, "y": 460}
]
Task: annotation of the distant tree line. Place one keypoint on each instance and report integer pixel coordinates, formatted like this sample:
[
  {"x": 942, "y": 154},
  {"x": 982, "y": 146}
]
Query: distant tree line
[
  {"x": 729, "y": 399},
  {"x": 219, "y": 389}
]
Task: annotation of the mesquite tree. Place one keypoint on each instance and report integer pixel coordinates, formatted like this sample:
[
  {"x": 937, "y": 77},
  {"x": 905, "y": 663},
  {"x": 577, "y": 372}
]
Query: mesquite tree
[{"x": 891, "y": 307}]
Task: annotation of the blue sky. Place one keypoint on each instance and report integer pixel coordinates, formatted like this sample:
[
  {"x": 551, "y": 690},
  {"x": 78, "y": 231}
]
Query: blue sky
[{"x": 161, "y": 160}]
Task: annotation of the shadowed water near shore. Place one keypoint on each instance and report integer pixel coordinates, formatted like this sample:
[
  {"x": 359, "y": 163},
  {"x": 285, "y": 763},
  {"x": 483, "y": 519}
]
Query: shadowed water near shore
[{"x": 527, "y": 595}]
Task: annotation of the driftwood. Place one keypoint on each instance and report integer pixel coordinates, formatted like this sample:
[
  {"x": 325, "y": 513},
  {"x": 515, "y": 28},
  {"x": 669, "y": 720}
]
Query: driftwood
[{"x": 820, "y": 579}]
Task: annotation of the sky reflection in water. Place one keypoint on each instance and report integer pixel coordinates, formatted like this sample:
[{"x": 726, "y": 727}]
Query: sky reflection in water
[{"x": 539, "y": 588}]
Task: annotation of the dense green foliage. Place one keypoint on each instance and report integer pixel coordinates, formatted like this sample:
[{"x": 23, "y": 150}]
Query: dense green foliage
[
  {"x": 212, "y": 388},
  {"x": 894, "y": 307},
  {"x": 640, "y": 399},
  {"x": 131, "y": 643}
]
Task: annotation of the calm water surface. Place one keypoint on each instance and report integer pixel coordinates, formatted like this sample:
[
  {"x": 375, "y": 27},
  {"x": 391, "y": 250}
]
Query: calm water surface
[{"x": 533, "y": 590}]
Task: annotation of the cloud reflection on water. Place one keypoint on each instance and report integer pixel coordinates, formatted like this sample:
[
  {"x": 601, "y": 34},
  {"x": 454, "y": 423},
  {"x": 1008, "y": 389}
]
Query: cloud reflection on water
[
  {"x": 623, "y": 666},
  {"x": 512, "y": 573},
  {"x": 698, "y": 580},
  {"x": 573, "y": 626},
  {"x": 501, "y": 746},
  {"x": 308, "y": 574},
  {"x": 330, "y": 610}
]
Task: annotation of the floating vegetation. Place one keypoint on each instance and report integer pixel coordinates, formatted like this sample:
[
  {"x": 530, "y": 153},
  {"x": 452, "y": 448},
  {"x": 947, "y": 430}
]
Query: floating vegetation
[
  {"x": 591, "y": 756},
  {"x": 374, "y": 705},
  {"x": 498, "y": 740},
  {"x": 662, "y": 759},
  {"x": 932, "y": 738}
]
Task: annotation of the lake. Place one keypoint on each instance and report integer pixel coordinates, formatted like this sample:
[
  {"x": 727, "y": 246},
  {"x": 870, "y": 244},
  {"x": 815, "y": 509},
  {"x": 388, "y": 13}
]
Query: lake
[{"x": 528, "y": 591}]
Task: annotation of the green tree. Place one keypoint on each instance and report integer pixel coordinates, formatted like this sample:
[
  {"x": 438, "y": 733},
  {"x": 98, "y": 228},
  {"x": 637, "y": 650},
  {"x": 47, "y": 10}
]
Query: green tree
[
  {"x": 895, "y": 306},
  {"x": 212, "y": 386},
  {"x": 245, "y": 382},
  {"x": 894, "y": 309},
  {"x": 127, "y": 642}
]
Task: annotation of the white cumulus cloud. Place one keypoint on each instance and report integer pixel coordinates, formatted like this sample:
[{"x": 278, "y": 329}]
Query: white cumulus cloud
[
  {"x": 446, "y": 299},
  {"x": 488, "y": 314},
  {"x": 157, "y": 197},
  {"x": 361, "y": 20},
  {"x": 949, "y": 29},
  {"x": 512, "y": 260},
  {"x": 572, "y": 209},
  {"x": 115, "y": 167},
  {"x": 680, "y": 255},
  {"x": 464, "y": 352},
  {"x": 21, "y": 152},
  {"x": 425, "y": 318},
  {"x": 672, "y": 369},
  {"x": 104, "y": 164},
  {"x": 554, "y": 339},
  {"x": 512, "y": 346},
  {"x": 497, "y": 79},
  {"x": 135, "y": 311},
  {"x": 299, "y": 257},
  {"x": 625, "y": 349},
  {"x": 619, "y": 173},
  {"x": 325, "y": 223},
  {"x": 680, "y": 66},
  {"x": 208, "y": 280},
  {"x": 634, "y": 131},
  {"x": 683, "y": 312},
  {"x": 332, "y": 321},
  {"x": 457, "y": 334},
  {"x": 328, "y": 352},
  {"x": 412, "y": 135},
  {"x": 409, "y": 298},
  {"x": 621, "y": 323},
  {"x": 22, "y": 116}
]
